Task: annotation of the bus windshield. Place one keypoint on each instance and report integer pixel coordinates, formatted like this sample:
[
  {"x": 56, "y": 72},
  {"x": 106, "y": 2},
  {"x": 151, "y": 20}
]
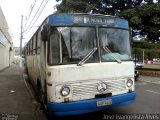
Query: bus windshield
[
  {"x": 72, "y": 44},
  {"x": 115, "y": 44}
]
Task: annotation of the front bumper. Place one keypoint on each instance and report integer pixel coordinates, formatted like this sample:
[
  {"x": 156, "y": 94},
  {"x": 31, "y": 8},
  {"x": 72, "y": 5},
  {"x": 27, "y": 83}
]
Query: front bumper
[{"x": 86, "y": 106}]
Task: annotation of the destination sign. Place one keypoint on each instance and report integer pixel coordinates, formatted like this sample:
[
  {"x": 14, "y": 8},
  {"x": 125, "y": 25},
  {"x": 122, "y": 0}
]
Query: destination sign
[
  {"x": 94, "y": 20},
  {"x": 87, "y": 20}
]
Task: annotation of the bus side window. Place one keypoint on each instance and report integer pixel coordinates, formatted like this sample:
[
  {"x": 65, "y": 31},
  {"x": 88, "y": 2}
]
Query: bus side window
[
  {"x": 31, "y": 47},
  {"x": 34, "y": 45},
  {"x": 38, "y": 42}
]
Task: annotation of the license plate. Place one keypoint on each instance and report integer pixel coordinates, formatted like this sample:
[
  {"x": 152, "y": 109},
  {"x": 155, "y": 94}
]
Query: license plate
[{"x": 104, "y": 102}]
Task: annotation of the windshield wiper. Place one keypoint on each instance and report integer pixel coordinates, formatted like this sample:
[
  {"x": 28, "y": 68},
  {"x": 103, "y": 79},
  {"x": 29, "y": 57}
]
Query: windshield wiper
[
  {"x": 108, "y": 51},
  {"x": 87, "y": 57}
]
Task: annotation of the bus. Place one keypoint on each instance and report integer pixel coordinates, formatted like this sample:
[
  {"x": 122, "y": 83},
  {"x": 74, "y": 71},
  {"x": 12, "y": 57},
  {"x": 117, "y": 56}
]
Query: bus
[{"x": 81, "y": 63}]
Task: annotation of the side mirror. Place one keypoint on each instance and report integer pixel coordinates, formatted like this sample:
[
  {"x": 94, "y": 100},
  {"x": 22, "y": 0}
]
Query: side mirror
[{"x": 45, "y": 33}]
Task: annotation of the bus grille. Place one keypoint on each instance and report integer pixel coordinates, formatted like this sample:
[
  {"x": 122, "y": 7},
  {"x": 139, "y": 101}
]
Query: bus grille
[{"x": 90, "y": 87}]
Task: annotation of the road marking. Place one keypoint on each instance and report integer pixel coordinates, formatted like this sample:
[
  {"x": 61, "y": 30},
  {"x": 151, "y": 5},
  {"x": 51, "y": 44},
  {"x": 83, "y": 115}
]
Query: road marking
[{"x": 153, "y": 92}]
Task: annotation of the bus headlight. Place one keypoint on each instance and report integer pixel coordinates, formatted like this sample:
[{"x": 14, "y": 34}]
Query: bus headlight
[
  {"x": 129, "y": 82},
  {"x": 65, "y": 90}
]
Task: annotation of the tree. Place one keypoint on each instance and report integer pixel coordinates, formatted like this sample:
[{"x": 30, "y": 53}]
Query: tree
[
  {"x": 77, "y": 6},
  {"x": 149, "y": 1},
  {"x": 116, "y": 6},
  {"x": 151, "y": 50},
  {"x": 111, "y": 7},
  {"x": 145, "y": 18}
]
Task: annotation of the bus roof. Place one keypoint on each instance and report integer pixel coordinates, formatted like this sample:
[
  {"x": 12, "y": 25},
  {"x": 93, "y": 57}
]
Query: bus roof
[{"x": 81, "y": 14}]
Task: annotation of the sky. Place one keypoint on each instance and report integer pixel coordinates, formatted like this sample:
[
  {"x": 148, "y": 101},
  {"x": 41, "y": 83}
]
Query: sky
[{"x": 14, "y": 9}]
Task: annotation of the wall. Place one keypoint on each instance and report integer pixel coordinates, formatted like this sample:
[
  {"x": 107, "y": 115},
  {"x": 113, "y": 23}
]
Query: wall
[
  {"x": 6, "y": 45},
  {"x": 4, "y": 56}
]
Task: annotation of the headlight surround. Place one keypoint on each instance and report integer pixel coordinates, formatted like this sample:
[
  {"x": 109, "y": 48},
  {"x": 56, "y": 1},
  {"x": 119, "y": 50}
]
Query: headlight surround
[
  {"x": 65, "y": 90},
  {"x": 129, "y": 83}
]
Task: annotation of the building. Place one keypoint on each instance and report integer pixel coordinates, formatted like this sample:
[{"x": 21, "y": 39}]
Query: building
[{"x": 6, "y": 44}]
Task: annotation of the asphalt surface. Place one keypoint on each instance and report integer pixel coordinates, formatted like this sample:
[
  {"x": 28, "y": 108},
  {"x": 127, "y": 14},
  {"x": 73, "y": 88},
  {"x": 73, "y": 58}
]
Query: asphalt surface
[{"x": 17, "y": 100}]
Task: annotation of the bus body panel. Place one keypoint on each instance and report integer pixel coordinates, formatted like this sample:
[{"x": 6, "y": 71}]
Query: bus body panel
[
  {"x": 33, "y": 62},
  {"x": 88, "y": 75}
]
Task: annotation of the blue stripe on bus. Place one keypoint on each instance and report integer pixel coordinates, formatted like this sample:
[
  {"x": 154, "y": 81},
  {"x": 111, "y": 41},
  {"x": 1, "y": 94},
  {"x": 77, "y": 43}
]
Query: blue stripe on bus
[{"x": 86, "y": 106}]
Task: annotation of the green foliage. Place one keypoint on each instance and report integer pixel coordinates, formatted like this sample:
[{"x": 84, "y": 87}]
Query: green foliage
[
  {"x": 111, "y": 7},
  {"x": 145, "y": 18},
  {"x": 151, "y": 50},
  {"x": 76, "y": 6}
]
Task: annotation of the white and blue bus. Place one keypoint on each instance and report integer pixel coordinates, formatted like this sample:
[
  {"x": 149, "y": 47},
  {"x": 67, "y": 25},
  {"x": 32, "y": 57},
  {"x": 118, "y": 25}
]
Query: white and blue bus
[{"x": 81, "y": 63}]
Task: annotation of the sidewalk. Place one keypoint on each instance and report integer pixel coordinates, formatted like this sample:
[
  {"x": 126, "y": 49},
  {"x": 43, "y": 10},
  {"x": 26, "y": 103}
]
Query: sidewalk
[
  {"x": 15, "y": 98},
  {"x": 12, "y": 70}
]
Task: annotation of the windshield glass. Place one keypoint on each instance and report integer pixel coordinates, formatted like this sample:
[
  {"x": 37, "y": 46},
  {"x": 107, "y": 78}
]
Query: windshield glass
[
  {"x": 78, "y": 45},
  {"x": 116, "y": 42},
  {"x": 72, "y": 44}
]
